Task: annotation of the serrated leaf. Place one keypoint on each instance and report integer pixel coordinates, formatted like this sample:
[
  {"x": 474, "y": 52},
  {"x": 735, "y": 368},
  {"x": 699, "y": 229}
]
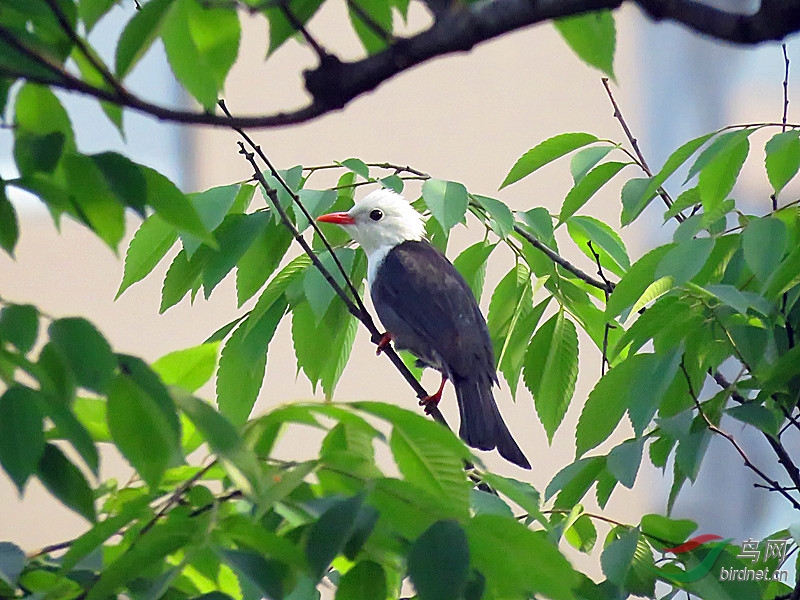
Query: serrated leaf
[
  {"x": 149, "y": 245},
  {"x": 173, "y": 206},
  {"x": 471, "y": 263},
  {"x": 357, "y": 166},
  {"x": 243, "y": 363},
  {"x": 763, "y": 243},
  {"x": 605, "y": 242},
  {"x": 546, "y": 152},
  {"x": 438, "y": 562},
  {"x": 634, "y": 200},
  {"x": 587, "y": 159},
  {"x": 22, "y": 441},
  {"x": 212, "y": 206},
  {"x": 636, "y": 280},
  {"x": 138, "y": 36},
  {"x": 182, "y": 275},
  {"x": 653, "y": 291},
  {"x": 782, "y": 159},
  {"x": 685, "y": 260},
  {"x": 190, "y": 368},
  {"x": 318, "y": 292},
  {"x": 280, "y": 27},
  {"x": 427, "y": 455},
  {"x": 380, "y": 15},
  {"x": 617, "y": 557},
  {"x": 66, "y": 482},
  {"x": 277, "y": 287},
  {"x": 202, "y": 44},
  {"x": 447, "y": 201},
  {"x": 687, "y": 199},
  {"x": 328, "y": 536},
  {"x": 9, "y": 225},
  {"x": 501, "y": 219},
  {"x": 537, "y": 566},
  {"x": 593, "y": 37},
  {"x": 19, "y": 325},
  {"x": 551, "y": 369},
  {"x": 719, "y": 175},
  {"x": 623, "y": 461},
  {"x": 756, "y": 415},
  {"x": 86, "y": 352},
  {"x": 142, "y": 420},
  {"x": 581, "y": 534},
  {"x": 666, "y": 532},
  {"x": 588, "y": 186}
]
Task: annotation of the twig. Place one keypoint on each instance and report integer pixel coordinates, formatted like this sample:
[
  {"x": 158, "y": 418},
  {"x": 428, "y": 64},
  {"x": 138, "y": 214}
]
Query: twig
[
  {"x": 604, "y": 361},
  {"x": 635, "y": 145},
  {"x": 745, "y": 458},
  {"x": 785, "y": 87},
  {"x": 322, "y": 54},
  {"x": 556, "y": 258}
]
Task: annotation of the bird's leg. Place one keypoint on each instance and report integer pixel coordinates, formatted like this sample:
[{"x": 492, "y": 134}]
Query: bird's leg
[
  {"x": 383, "y": 343},
  {"x": 430, "y": 401}
]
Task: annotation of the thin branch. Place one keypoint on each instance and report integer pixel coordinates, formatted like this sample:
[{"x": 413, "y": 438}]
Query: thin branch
[
  {"x": 745, "y": 458},
  {"x": 297, "y": 25},
  {"x": 635, "y": 145},
  {"x": 556, "y": 258},
  {"x": 604, "y": 361}
]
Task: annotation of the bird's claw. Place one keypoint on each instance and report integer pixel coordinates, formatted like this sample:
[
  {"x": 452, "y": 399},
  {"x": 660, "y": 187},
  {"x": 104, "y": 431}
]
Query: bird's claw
[{"x": 383, "y": 343}]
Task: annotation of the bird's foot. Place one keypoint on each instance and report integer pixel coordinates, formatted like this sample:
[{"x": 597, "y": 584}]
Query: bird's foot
[
  {"x": 383, "y": 343},
  {"x": 429, "y": 402}
]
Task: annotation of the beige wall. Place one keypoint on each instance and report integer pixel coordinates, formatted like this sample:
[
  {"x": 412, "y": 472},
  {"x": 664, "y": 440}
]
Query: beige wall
[{"x": 466, "y": 118}]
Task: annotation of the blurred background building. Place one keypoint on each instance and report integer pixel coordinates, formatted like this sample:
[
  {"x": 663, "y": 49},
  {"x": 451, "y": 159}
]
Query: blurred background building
[{"x": 466, "y": 118}]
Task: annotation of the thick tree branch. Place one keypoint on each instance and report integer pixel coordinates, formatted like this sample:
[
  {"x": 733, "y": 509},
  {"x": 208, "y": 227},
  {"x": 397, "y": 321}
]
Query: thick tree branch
[{"x": 458, "y": 27}]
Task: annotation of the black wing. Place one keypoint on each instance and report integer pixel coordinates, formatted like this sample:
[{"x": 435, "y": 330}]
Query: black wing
[{"x": 424, "y": 301}]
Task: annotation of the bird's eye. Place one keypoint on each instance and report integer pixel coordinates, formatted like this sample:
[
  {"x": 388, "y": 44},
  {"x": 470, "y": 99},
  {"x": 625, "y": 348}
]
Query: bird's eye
[{"x": 376, "y": 215}]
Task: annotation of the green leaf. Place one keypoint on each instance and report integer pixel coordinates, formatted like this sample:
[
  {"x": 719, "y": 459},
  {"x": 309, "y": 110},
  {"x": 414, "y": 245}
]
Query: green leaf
[
  {"x": 593, "y": 37},
  {"x": 438, "y": 562},
  {"x": 12, "y": 562},
  {"x": 97, "y": 206},
  {"x": 202, "y": 44},
  {"x": 519, "y": 492},
  {"x": 763, "y": 243},
  {"x": 605, "y": 406},
  {"x": 316, "y": 202},
  {"x": 605, "y": 241},
  {"x": 551, "y": 369},
  {"x": 240, "y": 462},
  {"x": 719, "y": 175},
  {"x": 633, "y": 199},
  {"x": 427, "y": 455},
  {"x": 687, "y": 199},
  {"x": 540, "y": 223},
  {"x": 212, "y": 206},
  {"x": 243, "y": 363},
  {"x": 234, "y": 236},
  {"x": 173, "y": 206},
  {"x": 66, "y": 482},
  {"x": 318, "y": 292},
  {"x": 723, "y": 142},
  {"x": 38, "y": 111},
  {"x": 365, "y": 581},
  {"x": 588, "y": 186},
  {"x": 546, "y": 152},
  {"x": 516, "y": 561},
  {"x": 356, "y": 165},
  {"x": 9, "y": 225},
  {"x": 19, "y": 325},
  {"x": 280, "y": 28},
  {"x": 635, "y": 282},
  {"x": 617, "y": 557},
  {"x": 35, "y": 153},
  {"x": 164, "y": 538},
  {"x": 587, "y": 159},
  {"x": 447, "y": 200},
  {"x": 86, "y": 352},
  {"x": 261, "y": 259},
  {"x": 149, "y": 245},
  {"x": 471, "y": 263},
  {"x": 782, "y": 159},
  {"x": 21, "y": 439},
  {"x": 143, "y": 422},
  {"x": 86, "y": 543},
  {"x": 666, "y": 532},
  {"x": 380, "y": 15},
  {"x": 91, "y": 11},
  {"x": 68, "y": 427},
  {"x": 183, "y": 275},
  {"x": 328, "y": 536},
  {"x": 501, "y": 219},
  {"x": 139, "y": 34},
  {"x": 581, "y": 534},
  {"x": 277, "y": 287},
  {"x": 756, "y": 415},
  {"x": 623, "y": 461},
  {"x": 189, "y": 369},
  {"x": 269, "y": 576},
  {"x": 685, "y": 260}
]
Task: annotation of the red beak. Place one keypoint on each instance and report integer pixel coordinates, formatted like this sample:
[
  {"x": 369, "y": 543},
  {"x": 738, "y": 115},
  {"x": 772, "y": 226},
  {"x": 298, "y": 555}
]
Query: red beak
[{"x": 339, "y": 218}]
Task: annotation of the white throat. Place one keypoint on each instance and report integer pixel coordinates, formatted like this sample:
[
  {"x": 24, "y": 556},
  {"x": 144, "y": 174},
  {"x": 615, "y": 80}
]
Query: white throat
[{"x": 374, "y": 261}]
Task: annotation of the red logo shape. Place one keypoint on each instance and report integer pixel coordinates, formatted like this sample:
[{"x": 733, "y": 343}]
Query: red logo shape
[{"x": 693, "y": 543}]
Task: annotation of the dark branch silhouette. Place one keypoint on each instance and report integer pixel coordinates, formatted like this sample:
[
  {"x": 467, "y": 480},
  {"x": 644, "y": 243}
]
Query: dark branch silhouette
[{"x": 457, "y": 27}]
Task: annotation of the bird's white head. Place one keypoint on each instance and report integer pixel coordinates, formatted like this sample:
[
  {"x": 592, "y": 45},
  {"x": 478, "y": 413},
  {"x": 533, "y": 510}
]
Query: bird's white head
[{"x": 380, "y": 221}]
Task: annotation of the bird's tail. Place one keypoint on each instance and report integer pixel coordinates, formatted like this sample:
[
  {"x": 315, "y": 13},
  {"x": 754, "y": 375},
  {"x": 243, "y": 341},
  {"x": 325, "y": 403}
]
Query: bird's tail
[{"x": 482, "y": 426}]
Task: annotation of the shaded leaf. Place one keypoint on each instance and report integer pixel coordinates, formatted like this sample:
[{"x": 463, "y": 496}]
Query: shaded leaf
[
  {"x": 447, "y": 200},
  {"x": 86, "y": 352},
  {"x": 22, "y": 441},
  {"x": 19, "y": 325},
  {"x": 438, "y": 562},
  {"x": 66, "y": 482}
]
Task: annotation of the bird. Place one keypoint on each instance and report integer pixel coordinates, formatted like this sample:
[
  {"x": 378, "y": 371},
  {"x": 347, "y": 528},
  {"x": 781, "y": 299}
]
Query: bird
[{"x": 429, "y": 309}]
